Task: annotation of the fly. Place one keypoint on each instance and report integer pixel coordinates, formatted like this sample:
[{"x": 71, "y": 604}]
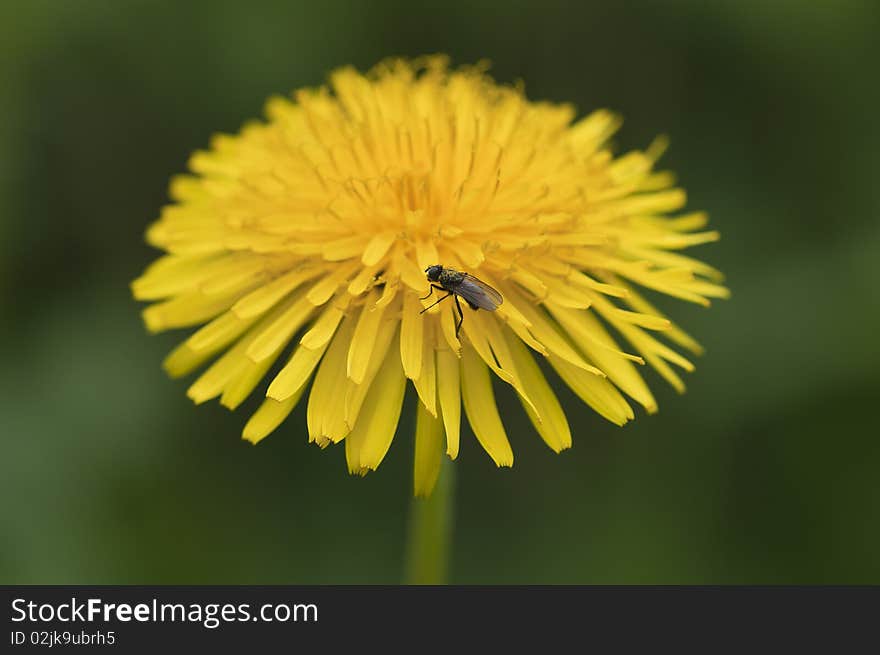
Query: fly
[{"x": 476, "y": 293}]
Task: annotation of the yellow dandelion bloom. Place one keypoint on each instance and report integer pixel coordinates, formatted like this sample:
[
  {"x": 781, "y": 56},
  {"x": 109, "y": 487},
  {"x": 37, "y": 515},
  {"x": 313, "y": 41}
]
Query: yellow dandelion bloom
[{"x": 308, "y": 236}]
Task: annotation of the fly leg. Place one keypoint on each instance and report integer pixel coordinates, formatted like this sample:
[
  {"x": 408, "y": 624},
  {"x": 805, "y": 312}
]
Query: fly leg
[
  {"x": 433, "y": 286},
  {"x": 460, "y": 317},
  {"x": 436, "y": 301}
]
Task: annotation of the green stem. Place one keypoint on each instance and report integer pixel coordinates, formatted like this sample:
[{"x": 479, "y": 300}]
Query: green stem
[{"x": 430, "y": 531}]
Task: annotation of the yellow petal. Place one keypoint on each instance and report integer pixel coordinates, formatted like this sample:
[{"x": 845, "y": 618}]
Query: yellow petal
[
  {"x": 501, "y": 353},
  {"x": 479, "y": 341},
  {"x": 342, "y": 249},
  {"x": 598, "y": 345},
  {"x": 674, "y": 333},
  {"x": 411, "y": 275},
  {"x": 597, "y": 392},
  {"x": 212, "y": 381},
  {"x": 225, "y": 370},
  {"x": 678, "y": 283},
  {"x": 426, "y": 383},
  {"x": 589, "y": 133},
  {"x": 172, "y": 275},
  {"x": 650, "y": 347},
  {"x": 353, "y": 394},
  {"x": 582, "y": 333},
  {"x": 644, "y": 320},
  {"x": 552, "y": 424},
  {"x": 447, "y": 326},
  {"x": 361, "y": 282},
  {"x": 243, "y": 274},
  {"x": 293, "y": 377},
  {"x": 371, "y": 435},
  {"x": 219, "y": 333},
  {"x": 185, "y": 310},
  {"x": 429, "y": 452},
  {"x": 325, "y": 327},
  {"x": 276, "y": 335},
  {"x": 530, "y": 282},
  {"x": 426, "y": 254},
  {"x": 363, "y": 339},
  {"x": 269, "y": 416},
  {"x": 264, "y": 298},
  {"x": 479, "y": 405},
  {"x": 411, "y": 333},
  {"x": 183, "y": 360},
  {"x": 186, "y": 187},
  {"x": 322, "y": 291},
  {"x": 450, "y": 398},
  {"x": 389, "y": 293},
  {"x": 377, "y": 248},
  {"x": 330, "y": 378},
  {"x": 546, "y": 332},
  {"x": 246, "y": 379},
  {"x": 580, "y": 279},
  {"x": 658, "y": 202}
]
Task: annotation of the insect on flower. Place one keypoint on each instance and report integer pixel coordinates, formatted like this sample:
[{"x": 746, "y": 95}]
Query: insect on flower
[
  {"x": 476, "y": 293},
  {"x": 298, "y": 243}
]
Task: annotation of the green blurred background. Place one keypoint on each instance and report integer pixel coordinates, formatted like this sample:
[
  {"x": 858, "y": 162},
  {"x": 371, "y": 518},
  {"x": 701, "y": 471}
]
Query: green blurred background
[{"x": 764, "y": 472}]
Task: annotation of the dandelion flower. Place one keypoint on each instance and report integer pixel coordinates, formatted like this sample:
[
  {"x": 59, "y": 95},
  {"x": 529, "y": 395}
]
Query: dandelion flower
[{"x": 304, "y": 239}]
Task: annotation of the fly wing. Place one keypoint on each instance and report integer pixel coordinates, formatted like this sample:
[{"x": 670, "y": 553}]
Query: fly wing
[{"x": 478, "y": 294}]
